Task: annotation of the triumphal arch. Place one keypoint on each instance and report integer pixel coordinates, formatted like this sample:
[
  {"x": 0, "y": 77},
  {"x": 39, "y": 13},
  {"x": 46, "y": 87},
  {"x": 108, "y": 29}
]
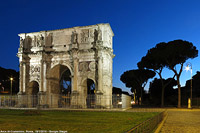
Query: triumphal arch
[{"x": 74, "y": 61}]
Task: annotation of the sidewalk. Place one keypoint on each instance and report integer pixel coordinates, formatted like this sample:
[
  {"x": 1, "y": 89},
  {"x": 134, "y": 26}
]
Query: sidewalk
[{"x": 182, "y": 121}]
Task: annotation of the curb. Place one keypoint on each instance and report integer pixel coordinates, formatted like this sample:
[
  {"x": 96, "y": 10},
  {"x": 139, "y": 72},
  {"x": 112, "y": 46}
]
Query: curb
[{"x": 161, "y": 124}]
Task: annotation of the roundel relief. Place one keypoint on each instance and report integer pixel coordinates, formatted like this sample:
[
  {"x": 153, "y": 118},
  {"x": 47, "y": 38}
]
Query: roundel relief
[
  {"x": 92, "y": 66},
  {"x": 83, "y": 66}
]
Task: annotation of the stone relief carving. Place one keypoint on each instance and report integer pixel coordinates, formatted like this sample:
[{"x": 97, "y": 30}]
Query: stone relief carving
[
  {"x": 85, "y": 36},
  {"x": 35, "y": 78},
  {"x": 37, "y": 41},
  {"x": 92, "y": 66},
  {"x": 35, "y": 69},
  {"x": 83, "y": 66},
  {"x": 54, "y": 62},
  {"x": 87, "y": 66}
]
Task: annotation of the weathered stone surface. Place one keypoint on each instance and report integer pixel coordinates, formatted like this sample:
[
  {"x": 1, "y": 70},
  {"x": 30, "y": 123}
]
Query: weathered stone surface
[{"x": 86, "y": 51}]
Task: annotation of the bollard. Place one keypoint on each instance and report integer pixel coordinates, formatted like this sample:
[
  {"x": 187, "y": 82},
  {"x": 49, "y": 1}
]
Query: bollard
[{"x": 189, "y": 103}]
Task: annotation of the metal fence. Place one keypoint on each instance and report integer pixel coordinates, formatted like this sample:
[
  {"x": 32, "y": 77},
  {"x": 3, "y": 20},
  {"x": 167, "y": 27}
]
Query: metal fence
[
  {"x": 196, "y": 102},
  {"x": 60, "y": 101},
  {"x": 149, "y": 125}
]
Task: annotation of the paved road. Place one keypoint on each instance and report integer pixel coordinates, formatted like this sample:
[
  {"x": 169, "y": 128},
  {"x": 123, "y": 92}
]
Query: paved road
[{"x": 182, "y": 121}]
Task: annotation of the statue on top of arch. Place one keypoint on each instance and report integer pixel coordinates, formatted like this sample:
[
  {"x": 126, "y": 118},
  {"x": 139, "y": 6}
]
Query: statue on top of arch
[
  {"x": 97, "y": 35},
  {"x": 40, "y": 41},
  {"x": 21, "y": 42},
  {"x": 74, "y": 37}
]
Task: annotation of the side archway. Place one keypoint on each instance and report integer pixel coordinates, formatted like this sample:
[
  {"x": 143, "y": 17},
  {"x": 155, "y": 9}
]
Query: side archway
[
  {"x": 89, "y": 90},
  {"x": 32, "y": 92},
  {"x": 33, "y": 88}
]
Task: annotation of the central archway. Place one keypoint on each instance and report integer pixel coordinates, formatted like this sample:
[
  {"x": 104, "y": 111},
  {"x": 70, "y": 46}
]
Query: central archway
[
  {"x": 59, "y": 82},
  {"x": 65, "y": 83},
  {"x": 65, "y": 89}
]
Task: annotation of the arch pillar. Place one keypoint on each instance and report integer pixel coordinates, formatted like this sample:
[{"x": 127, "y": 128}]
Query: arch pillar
[{"x": 75, "y": 97}]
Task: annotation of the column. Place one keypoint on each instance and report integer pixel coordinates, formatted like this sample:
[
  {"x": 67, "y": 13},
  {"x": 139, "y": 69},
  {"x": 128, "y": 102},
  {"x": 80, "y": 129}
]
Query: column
[
  {"x": 100, "y": 75},
  {"x": 24, "y": 77},
  {"x": 75, "y": 95},
  {"x": 44, "y": 77},
  {"x": 42, "y": 95},
  {"x": 21, "y": 78},
  {"x": 41, "y": 76},
  {"x": 22, "y": 99},
  {"x": 75, "y": 78},
  {"x": 99, "y": 94}
]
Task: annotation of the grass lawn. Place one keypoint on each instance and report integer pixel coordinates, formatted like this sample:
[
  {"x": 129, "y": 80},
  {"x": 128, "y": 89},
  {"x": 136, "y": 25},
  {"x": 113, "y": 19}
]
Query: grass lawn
[{"x": 17, "y": 120}]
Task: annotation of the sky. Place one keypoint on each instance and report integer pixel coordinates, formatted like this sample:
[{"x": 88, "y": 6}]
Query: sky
[{"x": 138, "y": 25}]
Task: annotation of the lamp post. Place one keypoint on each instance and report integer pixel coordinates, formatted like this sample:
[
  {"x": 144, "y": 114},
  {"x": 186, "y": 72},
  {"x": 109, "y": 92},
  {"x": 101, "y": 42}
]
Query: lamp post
[
  {"x": 11, "y": 80},
  {"x": 189, "y": 67}
]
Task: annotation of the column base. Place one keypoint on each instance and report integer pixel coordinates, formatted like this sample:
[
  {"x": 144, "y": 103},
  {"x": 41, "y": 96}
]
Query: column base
[
  {"x": 42, "y": 100},
  {"x": 22, "y": 100},
  {"x": 75, "y": 100}
]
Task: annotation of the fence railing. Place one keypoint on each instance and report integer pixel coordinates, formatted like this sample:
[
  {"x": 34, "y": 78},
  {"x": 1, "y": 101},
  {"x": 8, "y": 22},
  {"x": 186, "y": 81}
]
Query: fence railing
[
  {"x": 196, "y": 102},
  {"x": 60, "y": 101},
  {"x": 149, "y": 125}
]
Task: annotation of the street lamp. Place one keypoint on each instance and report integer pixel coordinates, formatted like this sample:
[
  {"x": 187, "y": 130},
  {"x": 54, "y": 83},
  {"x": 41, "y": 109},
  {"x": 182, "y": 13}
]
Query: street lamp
[
  {"x": 11, "y": 80},
  {"x": 187, "y": 68}
]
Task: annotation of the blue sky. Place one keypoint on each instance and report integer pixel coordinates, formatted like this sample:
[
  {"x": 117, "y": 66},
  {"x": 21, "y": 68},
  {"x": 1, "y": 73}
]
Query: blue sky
[{"x": 138, "y": 25}]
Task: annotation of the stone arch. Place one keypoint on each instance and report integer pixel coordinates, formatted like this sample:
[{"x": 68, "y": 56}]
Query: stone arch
[
  {"x": 32, "y": 91},
  {"x": 89, "y": 88},
  {"x": 33, "y": 88},
  {"x": 54, "y": 77},
  {"x": 54, "y": 88},
  {"x": 88, "y": 77},
  {"x": 65, "y": 82},
  {"x": 68, "y": 65}
]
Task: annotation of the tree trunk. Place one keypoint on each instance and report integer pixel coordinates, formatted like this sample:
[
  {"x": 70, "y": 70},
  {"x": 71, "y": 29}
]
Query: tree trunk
[
  {"x": 179, "y": 92},
  {"x": 162, "y": 96},
  {"x": 141, "y": 96},
  {"x": 163, "y": 89}
]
